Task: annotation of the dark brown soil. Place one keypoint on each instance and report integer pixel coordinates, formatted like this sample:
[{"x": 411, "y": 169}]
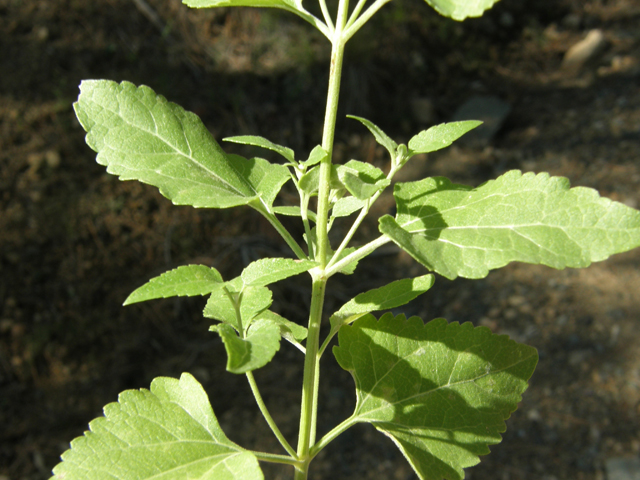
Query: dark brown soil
[{"x": 75, "y": 241}]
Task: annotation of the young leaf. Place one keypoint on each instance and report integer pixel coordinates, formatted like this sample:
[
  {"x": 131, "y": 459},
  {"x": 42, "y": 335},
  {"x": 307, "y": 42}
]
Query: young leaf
[
  {"x": 346, "y": 206},
  {"x": 288, "y": 329},
  {"x": 392, "y": 295},
  {"x": 141, "y": 136},
  {"x": 168, "y": 432},
  {"x": 253, "y": 300},
  {"x": 456, "y": 230},
  {"x": 381, "y": 137},
  {"x": 270, "y": 270},
  {"x": 256, "y": 141},
  {"x": 461, "y": 9},
  {"x": 310, "y": 181},
  {"x": 252, "y": 352},
  {"x": 440, "y": 136},
  {"x": 351, "y": 267},
  {"x": 440, "y": 391},
  {"x": 188, "y": 280},
  {"x": 361, "y": 179},
  {"x": 316, "y": 156}
]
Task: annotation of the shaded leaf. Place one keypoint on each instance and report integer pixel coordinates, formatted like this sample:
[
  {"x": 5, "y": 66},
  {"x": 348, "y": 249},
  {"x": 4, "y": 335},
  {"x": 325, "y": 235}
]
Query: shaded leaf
[
  {"x": 165, "y": 433},
  {"x": 361, "y": 179},
  {"x": 290, "y": 331},
  {"x": 346, "y": 206},
  {"x": 141, "y": 136},
  {"x": 381, "y": 137},
  {"x": 257, "y": 141},
  {"x": 440, "y": 391},
  {"x": 270, "y": 270},
  {"x": 253, "y": 300},
  {"x": 252, "y": 352},
  {"x": 440, "y": 136},
  {"x": 187, "y": 280},
  {"x": 310, "y": 181},
  {"x": 456, "y": 230},
  {"x": 461, "y": 9}
]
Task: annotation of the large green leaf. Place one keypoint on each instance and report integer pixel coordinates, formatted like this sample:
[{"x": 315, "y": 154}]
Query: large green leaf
[
  {"x": 457, "y": 230},
  {"x": 270, "y": 270},
  {"x": 188, "y": 280},
  {"x": 166, "y": 433},
  {"x": 141, "y": 136},
  {"x": 392, "y": 295},
  {"x": 461, "y": 9},
  {"x": 252, "y": 352},
  {"x": 440, "y": 391}
]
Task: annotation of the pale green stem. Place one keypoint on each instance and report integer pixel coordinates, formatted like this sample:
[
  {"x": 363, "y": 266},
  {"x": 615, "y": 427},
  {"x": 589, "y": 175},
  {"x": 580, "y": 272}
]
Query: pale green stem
[
  {"x": 359, "y": 254},
  {"x": 369, "y": 12},
  {"x": 329, "y": 437},
  {"x": 356, "y": 12},
  {"x": 284, "y": 233},
  {"x": 267, "y": 416},
  {"x": 327, "y": 16},
  {"x": 273, "y": 458},
  {"x": 304, "y": 207}
]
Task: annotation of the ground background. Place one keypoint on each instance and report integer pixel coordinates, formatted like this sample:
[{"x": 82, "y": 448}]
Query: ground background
[{"x": 75, "y": 241}]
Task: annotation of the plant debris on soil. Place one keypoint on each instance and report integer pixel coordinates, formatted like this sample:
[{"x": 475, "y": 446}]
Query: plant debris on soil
[{"x": 75, "y": 241}]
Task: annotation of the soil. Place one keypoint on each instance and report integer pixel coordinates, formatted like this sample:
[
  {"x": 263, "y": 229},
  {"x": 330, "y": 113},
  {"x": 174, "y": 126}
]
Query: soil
[{"x": 74, "y": 241}]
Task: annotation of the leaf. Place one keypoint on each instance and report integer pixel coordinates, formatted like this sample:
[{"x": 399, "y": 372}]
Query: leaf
[
  {"x": 440, "y": 391},
  {"x": 294, "y": 212},
  {"x": 310, "y": 181},
  {"x": 381, "y": 137},
  {"x": 392, "y": 295},
  {"x": 270, "y": 270},
  {"x": 288, "y": 329},
  {"x": 361, "y": 179},
  {"x": 257, "y": 141},
  {"x": 461, "y": 9},
  {"x": 440, "y": 136},
  {"x": 253, "y": 300},
  {"x": 316, "y": 156},
  {"x": 351, "y": 267},
  {"x": 346, "y": 206},
  {"x": 188, "y": 280},
  {"x": 141, "y": 136},
  {"x": 168, "y": 432},
  {"x": 456, "y": 230},
  {"x": 253, "y": 352}
]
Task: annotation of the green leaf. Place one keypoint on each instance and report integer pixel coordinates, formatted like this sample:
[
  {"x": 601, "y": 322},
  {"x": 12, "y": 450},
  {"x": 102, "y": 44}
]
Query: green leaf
[
  {"x": 141, "y": 136},
  {"x": 456, "y": 230},
  {"x": 461, "y": 9},
  {"x": 257, "y": 141},
  {"x": 361, "y": 179},
  {"x": 346, "y": 206},
  {"x": 310, "y": 181},
  {"x": 440, "y": 391},
  {"x": 381, "y": 137},
  {"x": 290, "y": 331},
  {"x": 168, "y": 432},
  {"x": 440, "y": 136},
  {"x": 316, "y": 156},
  {"x": 188, "y": 280},
  {"x": 270, "y": 270},
  {"x": 253, "y": 300},
  {"x": 253, "y": 352},
  {"x": 294, "y": 212},
  {"x": 392, "y": 295},
  {"x": 351, "y": 267}
]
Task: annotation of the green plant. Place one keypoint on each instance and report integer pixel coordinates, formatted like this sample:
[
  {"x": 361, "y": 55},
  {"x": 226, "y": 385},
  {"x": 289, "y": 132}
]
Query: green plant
[{"x": 441, "y": 391}]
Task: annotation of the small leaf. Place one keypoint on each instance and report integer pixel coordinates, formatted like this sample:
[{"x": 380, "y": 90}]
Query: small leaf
[
  {"x": 392, "y": 295},
  {"x": 346, "y": 206},
  {"x": 294, "y": 212},
  {"x": 257, "y": 141},
  {"x": 188, "y": 280},
  {"x": 461, "y": 9},
  {"x": 141, "y": 136},
  {"x": 316, "y": 156},
  {"x": 270, "y": 270},
  {"x": 253, "y": 352},
  {"x": 290, "y": 331},
  {"x": 381, "y": 137},
  {"x": 440, "y": 136},
  {"x": 361, "y": 179},
  {"x": 168, "y": 432},
  {"x": 253, "y": 300},
  {"x": 457, "y": 230},
  {"x": 440, "y": 391},
  {"x": 310, "y": 181},
  {"x": 351, "y": 267}
]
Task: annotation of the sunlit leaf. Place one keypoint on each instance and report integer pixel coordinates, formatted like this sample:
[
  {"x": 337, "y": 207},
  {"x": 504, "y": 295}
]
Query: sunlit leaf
[
  {"x": 310, "y": 181},
  {"x": 165, "y": 433},
  {"x": 187, "y": 280},
  {"x": 346, "y": 206},
  {"x": 270, "y": 270},
  {"x": 316, "y": 156},
  {"x": 288, "y": 329},
  {"x": 257, "y": 141},
  {"x": 381, "y": 137},
  {"x": 252, "y": 352},
  {"x": 441, "y": 391},
  {"x": 457, "y": 230},
  {"x": 253, "y": 300},
  {"x": 440, "y": 136},
  {"x": 361, "y": 179},
  {"x": 139, "y": 135},
  {"x": 461, "y": 9}
]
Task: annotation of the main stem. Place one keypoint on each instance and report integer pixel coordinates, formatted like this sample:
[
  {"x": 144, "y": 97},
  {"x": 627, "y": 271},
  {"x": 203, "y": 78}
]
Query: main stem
[{"x": 309, "y": 406}]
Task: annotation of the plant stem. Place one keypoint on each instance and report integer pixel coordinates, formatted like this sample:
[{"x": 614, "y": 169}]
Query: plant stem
[
  {"x": 284, "y": 233},
  {"x": 267, "y": 416},
  {"x": 359, "y": 254},
  {"x": 354, "y": 26},
  {"x": 273, "y": 458},
  {"x": 329, "y": 437}
]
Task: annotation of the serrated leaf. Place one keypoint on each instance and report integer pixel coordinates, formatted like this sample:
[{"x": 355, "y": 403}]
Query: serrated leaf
[
  {"x": 253, "y": 300},
  {"x": 270, "y": 270},
  {"x": 346, "y": 206},
  {"x": 440, "y": 136},
  {"x": 361, "y": 179},
  {"x": 294, "y": 212},
  {"x": 252, "y": 352},
  {"x": 440, "y": 391},
  {"x": 188, "y": 280},
  {"x": 290, "y": 331},
  {"x": 262, "y": 142},
  {"x": 456, "y": 230},
  {"x": 461, "y": 9},
  {"x": 381, "y": 137},
  {"x": 165, "y": 433},
  {"x": 139, "y": 135},
  {"x": 392, "y": 295}
]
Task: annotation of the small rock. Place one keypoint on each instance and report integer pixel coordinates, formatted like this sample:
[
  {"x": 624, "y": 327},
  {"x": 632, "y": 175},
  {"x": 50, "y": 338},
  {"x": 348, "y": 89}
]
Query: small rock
[
  {"x": 490, "y": 110},
  {"x": 623, "y": 468},
  {"x": 584, "y": 51}
]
